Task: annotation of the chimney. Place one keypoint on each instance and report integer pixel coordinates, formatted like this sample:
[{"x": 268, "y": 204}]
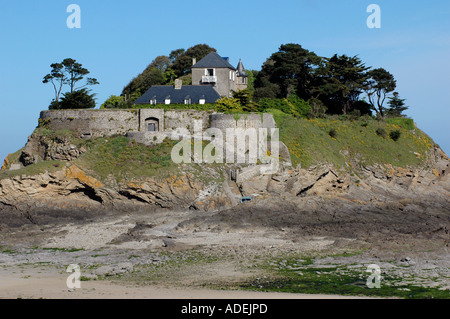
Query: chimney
[
  {"x": 178, "y": 84},
  {"x": 194, "y": 61}
]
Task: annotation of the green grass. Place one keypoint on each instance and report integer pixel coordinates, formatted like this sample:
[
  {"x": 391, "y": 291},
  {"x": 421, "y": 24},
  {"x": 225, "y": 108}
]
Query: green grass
[
  {"x": 65, "y": 250},
  {"x": 303, "y": 277},
  {"x": 125, "y": 160},
  {"x": 34, "y": 169},
  {"x": 339, "y": 141},
  {"x": 402, "y": 122},
  {"x": 310, "y": 143}
]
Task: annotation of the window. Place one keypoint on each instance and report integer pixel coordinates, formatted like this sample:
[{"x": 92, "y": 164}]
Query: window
[
  {"x": 167, "y": 100},
  {"x": 209, "y": 72},
  {"x": 202, "y": 100},
  {"x": 233, "y": 75},
  {"x": 187, "y": 100},
  {"x": 153, "y": 100}
]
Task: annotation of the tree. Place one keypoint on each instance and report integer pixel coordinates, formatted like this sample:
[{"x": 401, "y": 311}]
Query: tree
[
  {"x": 56, "y": 78},
  {"x": 165, "y": 69},
  {"x": 149, "y": 77},
  {"x": 175, "y": 54},
  {"x": 339, "y": 81},
  {"x": 114, "y": 102},
  {"x": 74, "y": 72},
  {"x": 245, "y": 100},
  {"x": 396, "y": 106},
  {"x": 79, "y": 99},
  {"x": 183, "y": 61},
  {"x": 169, "y": 76},
  {"x": 379, "y": 85},
  {"x": 290, "y": 69},
  {"x": 68, "y": 72},
  {"x": 251, "y": 75},
  {"x": 162, "y": 63}
]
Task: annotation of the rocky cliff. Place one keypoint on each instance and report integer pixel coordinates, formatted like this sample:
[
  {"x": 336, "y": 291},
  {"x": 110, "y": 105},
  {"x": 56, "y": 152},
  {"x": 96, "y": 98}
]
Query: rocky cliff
[
  {"x": 67, "y": 182},
  {"x": 69, "y": 191}
]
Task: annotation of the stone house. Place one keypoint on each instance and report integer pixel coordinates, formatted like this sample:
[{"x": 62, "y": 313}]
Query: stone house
[
  {"x": 213, "y": 77},
  {"x": 216, "y": 71}
]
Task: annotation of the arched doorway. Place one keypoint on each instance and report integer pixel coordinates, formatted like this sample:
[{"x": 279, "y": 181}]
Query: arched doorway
[{"x": 152, "y": 124}]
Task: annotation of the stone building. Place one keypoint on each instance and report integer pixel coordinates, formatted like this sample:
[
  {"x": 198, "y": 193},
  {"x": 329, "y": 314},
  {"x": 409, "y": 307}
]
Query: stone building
[
  {"x": 213, "y": 77},
  {"x": 241, "y": 77},
  {"x": 216, "y": 71}
]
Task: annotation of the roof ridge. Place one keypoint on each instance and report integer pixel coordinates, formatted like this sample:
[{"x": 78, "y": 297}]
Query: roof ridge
[{"x": 213, "y": 59}]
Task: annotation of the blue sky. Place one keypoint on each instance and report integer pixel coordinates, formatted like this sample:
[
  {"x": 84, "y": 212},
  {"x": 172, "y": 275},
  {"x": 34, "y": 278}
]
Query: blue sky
[{"x": 118, "y": 39}]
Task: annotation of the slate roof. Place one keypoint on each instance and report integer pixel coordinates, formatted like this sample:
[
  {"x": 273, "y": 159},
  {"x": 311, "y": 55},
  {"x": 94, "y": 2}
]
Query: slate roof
[
  {"x": 213, "y": 60},
  {"x": 194, "y": 92}
]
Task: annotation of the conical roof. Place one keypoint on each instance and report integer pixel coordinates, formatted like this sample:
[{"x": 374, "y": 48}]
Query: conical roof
[{"x": 241, "y": 69}]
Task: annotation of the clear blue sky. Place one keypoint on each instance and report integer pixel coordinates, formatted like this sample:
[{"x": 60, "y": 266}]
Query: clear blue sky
[{"x": 118, "y": 39}]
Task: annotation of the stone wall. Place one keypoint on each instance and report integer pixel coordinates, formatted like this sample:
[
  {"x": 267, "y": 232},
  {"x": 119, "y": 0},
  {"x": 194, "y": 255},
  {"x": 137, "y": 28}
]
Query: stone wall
[
  {"x": 93, "y": 123},
  {"x": 175, "y": 119},
  {"x": 96, "y": 123},
  {"x": 224, "y": 121}
]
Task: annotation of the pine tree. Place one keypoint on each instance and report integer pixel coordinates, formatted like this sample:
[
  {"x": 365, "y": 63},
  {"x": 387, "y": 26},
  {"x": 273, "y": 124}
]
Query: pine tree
[{"x": 396, "y": 106}]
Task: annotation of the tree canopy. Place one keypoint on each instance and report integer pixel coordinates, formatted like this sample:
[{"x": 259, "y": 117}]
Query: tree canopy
[
  {"x": 165, "y": 69},
  {"x": 379, "y": 84},
  {"x": 335, "y": 85},
  {"x": 69, "y": 72},
  {"x": 297, "y": 80}
]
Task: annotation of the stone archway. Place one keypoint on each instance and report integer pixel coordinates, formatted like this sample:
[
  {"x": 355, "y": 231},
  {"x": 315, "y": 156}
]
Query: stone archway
[{"x": 152, "y": 124}]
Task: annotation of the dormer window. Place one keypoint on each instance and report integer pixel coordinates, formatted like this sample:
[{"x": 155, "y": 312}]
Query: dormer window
[
  {"x": 153, "y": 100},
  {"x": 187, "y": 100},
  {"x": 167, "y": 100},
  {"x": 202, "y": 100}
]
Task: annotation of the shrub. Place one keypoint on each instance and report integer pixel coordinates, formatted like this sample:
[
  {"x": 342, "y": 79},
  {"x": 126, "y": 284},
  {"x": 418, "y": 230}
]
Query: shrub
[
  {"x": 80, "y": 99},
  {"x": 395, "y": 135},
  {"x": 332, "y": 133},
  {"x": 293, "y": 105},
  {"x": 299, "y": 107},
  {"x": 403, "y": 122},
  {"x": 227, "y": 104},
  {"x": 318, "y": 109},
  {"x": 114, "y": 101},
  {"x": 381, "y": 132}
]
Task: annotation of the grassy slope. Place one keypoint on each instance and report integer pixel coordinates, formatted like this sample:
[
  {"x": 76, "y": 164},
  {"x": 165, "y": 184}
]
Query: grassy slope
[
  {"x": 121, "y": 159},
  {"x": 309, "y": 142},
  {"x": 356, "y": 142}
]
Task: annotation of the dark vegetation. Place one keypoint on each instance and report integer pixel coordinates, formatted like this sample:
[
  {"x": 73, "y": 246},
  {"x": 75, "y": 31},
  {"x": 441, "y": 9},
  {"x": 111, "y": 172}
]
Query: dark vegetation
[
  {"x": 70, "y": 73},
  {"x": 293, "y": 80}
]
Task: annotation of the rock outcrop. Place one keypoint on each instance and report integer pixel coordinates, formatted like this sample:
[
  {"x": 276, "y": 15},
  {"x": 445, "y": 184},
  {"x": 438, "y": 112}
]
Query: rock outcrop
[
  {"x": 42, "y": 148},
  {"x": 70, "y": 188}
]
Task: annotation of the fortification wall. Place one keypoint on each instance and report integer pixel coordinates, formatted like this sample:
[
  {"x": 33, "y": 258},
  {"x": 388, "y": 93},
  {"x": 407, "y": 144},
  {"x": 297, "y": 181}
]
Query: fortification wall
[
  {"x": 93, "y": 123},
  {"x": 104, "y": 122},
  {"x": 175, "y": 119},
  {"x": 224, "y": 121}
]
